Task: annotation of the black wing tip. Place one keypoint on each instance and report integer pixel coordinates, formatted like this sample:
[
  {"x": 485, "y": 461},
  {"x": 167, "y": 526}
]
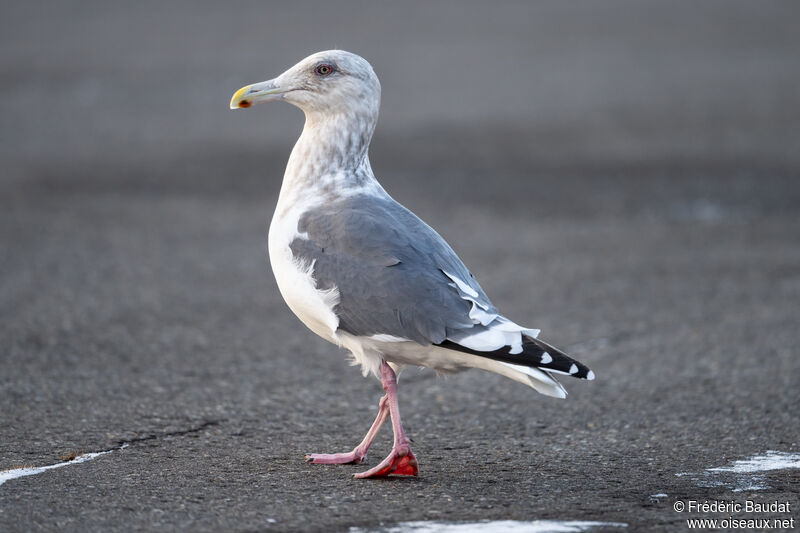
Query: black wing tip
[
  {"x": 557, "y": 361},
  {"x": 575, "y": 370},
  {"x": 535, "y": 354}
]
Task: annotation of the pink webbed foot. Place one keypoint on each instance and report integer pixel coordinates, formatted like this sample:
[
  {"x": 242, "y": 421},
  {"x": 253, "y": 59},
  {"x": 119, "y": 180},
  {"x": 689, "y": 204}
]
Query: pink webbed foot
[
  {"x": 400, "y": 462},
  {"x": 353, "y": 457},
  {"x": 359, "y": 453}
]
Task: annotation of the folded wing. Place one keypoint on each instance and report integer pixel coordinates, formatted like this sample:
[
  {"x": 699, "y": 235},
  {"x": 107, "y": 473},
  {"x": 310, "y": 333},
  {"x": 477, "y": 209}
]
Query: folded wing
[{"x": 397, "y": 278}]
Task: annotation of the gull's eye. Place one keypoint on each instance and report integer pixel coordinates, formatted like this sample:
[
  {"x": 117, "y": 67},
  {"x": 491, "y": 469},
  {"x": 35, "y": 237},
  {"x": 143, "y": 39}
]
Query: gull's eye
[{"x": 323, "y": 70}]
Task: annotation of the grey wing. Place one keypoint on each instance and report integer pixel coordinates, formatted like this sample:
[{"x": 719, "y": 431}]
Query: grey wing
[{"x": 395, "y": 275}]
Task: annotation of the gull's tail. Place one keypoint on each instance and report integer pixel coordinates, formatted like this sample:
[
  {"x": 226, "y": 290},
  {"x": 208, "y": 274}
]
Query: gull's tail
[
  {"x": 534, "y": 365},
  {"x": 535, "y": 354}
]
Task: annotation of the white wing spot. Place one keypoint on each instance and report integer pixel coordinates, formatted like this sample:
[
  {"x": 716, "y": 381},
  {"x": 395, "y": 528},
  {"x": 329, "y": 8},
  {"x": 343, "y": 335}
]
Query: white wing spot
[
  {"x": 573, "y": 369},
  {"x": 479, "y": 316},
  {"x": 546, "y": 358},
  {"x": 463, "y": 287}
]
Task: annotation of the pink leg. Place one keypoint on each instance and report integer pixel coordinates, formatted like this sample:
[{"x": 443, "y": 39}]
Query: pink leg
[
  {"x": 401, "y": 460},
  {"x": 359, "y": 453}
]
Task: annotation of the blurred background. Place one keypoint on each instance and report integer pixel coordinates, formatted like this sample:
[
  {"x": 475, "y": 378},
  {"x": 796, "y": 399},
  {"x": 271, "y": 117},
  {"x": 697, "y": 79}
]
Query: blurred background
[
  {"x": 93, "y": 82},
  {"x": 623, "y": 175}
]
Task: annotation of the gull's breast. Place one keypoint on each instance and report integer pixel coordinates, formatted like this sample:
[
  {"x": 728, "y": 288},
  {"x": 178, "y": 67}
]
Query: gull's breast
[{"x": 295, "y": 278}]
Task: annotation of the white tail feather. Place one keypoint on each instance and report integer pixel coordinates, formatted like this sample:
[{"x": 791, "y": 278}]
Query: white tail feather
[{"x": 539, "y": 380}]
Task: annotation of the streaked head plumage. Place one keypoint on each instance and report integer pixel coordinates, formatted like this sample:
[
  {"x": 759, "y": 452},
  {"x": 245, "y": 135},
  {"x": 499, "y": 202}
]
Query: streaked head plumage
[{"x": 332, "y": 81}]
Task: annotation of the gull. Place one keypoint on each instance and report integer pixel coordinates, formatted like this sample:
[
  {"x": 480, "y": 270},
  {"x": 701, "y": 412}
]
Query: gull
[{"x": 365, "y": 273}]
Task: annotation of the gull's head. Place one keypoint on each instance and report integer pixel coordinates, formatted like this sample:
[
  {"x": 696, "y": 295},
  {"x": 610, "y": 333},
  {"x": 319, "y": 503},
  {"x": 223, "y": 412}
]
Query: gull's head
[{"x": 332, "y": 81}]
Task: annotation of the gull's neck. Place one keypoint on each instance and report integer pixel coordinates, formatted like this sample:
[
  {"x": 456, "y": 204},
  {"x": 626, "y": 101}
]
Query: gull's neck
[{"x": 330, "y": 158}]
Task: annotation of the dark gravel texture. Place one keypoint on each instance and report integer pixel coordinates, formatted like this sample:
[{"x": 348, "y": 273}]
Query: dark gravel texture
[{"x": 624, "y": 176}]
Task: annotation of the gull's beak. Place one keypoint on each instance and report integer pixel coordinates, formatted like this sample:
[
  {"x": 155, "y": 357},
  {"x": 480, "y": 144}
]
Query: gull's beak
[{"x": 266, "y": 91}]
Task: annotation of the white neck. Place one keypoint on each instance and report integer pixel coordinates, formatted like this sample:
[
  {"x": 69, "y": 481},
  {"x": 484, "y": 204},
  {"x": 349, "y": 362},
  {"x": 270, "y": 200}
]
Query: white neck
[{"x": 331, "y": 156}]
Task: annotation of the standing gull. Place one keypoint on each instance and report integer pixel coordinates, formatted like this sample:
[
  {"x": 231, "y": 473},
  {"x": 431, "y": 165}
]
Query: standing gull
[{"x": 365, "y": 273}]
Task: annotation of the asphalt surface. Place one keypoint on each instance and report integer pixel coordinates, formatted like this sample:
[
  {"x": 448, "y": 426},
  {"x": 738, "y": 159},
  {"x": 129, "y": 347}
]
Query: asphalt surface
[{"x": 624, "y": 177}]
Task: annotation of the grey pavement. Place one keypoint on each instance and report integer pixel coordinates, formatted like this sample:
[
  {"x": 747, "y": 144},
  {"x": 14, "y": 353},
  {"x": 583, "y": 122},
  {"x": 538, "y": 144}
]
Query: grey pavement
[{"x": 624, "y": 176}]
